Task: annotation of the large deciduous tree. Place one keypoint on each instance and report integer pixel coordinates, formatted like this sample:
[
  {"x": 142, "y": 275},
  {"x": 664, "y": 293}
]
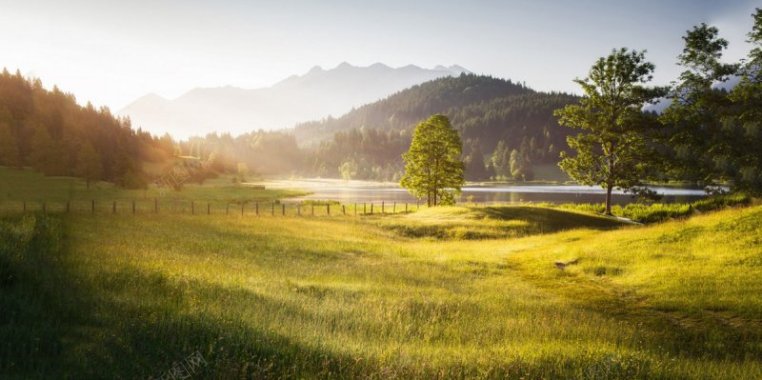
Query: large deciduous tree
[
  {"x": 612, "y": 149},
  {"x": 746, "y": 118},
  {"x": 433, "y": 166},
  {"x": 701, "y": 146}
]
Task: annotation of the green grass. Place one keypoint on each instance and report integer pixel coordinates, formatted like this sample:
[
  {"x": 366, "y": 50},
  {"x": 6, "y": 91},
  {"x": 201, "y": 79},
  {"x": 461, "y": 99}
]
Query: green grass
[
  {"x": 449, "y": 292},
  {"x": 473, "y": 223},
  {"x": 17, "y": 186},
  {"x": 659, "y": 212},
  {"x": 117, "y": 296}
]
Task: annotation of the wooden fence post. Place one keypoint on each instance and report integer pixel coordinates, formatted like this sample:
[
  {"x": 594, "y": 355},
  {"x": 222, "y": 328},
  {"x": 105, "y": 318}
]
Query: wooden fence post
[
  {"x": 382, "y": 207},
  {"x": 343, "y": 210},
  {"x": 208, "y": 209},
  {"x": 283, "y": 209},
  {"x": 364, "y": 209},
  {"x": 298, "y": 209},
  {"x": 328, "y": 208},
  {"x": 242, "y": 208},
  {"x": 113, "y": 208},
  {"x": 405, "y": 207},
  {"x": 355, "y": 208},
  {"x": 371, "y": 208},
  {"x": 133, "y": 207}
]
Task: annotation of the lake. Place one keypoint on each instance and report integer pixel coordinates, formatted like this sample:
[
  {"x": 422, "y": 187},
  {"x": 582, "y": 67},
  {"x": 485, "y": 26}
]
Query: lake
[{"x": 368, "y": 191}]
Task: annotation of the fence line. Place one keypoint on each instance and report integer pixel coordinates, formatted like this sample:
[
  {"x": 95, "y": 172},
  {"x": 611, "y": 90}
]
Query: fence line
[
  {"x": 249, "y": 208},
  {"x": 195, "y": 207}
]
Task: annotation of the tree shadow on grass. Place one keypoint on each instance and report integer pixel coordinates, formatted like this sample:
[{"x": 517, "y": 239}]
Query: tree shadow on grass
[
  {"x": 548, "y": 220},
  {"x": 61, "y": 320},
  {"x": 480, "y": 223}
]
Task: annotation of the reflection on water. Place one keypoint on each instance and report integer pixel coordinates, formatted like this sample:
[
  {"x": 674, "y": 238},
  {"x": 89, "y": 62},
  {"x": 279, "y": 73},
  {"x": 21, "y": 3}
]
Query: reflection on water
[{"x": 366, "y": 191}]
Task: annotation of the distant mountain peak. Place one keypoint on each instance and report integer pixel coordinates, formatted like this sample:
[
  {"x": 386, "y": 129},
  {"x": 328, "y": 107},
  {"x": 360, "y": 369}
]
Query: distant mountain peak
[
  {"x": 299, "y": 98},
  {"x": 460, "y": 69},
  {"x": 151, "y": 96},
  {"x": 314, "y": 69},
  {"x": 410, "y": 67},
  {"x": 344, "y": 65}
]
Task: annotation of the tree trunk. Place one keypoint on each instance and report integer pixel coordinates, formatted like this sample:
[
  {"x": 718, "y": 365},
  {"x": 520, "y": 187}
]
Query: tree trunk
[{"x": 608, "y": 199}]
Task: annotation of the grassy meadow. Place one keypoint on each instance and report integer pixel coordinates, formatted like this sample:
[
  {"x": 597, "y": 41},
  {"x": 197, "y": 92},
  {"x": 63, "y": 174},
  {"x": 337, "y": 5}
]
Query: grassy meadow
[
  {"x": 17, "y": 186},
  {"x": 452, "y": 292}
]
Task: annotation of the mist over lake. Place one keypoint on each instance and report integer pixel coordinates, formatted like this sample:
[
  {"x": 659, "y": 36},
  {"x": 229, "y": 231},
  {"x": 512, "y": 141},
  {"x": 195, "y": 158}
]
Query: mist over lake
[{"x": 373, "y": 191}]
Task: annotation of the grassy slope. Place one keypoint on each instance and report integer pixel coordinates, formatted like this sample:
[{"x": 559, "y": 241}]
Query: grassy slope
[
  {"x": 25, "y": 185},
  {"x": 123, "y": 296}
]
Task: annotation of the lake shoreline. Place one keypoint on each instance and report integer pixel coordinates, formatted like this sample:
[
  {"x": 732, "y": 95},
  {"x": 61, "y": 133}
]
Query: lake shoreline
[{"x": 481, "y": 192}]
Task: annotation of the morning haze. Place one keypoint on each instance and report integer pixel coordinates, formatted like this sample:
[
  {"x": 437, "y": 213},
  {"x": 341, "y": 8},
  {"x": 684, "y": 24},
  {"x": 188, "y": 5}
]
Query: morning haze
[
  {"x": 113, "y": 52},
  {"x": 380, "y": 190}
]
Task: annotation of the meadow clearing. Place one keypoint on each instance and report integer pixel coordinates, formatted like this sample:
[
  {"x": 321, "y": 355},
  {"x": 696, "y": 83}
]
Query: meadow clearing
[{"x": 452, "y": 292}]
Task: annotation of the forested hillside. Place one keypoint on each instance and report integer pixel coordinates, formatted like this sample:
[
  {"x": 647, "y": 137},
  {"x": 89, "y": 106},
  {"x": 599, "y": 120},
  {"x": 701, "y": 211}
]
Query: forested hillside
[
  {"x": 506, "y": 128},
  {"x": 49, "y": 132}
]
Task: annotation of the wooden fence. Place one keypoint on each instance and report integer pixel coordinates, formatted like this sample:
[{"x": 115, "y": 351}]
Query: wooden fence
[{"x": 171, "y": 206}]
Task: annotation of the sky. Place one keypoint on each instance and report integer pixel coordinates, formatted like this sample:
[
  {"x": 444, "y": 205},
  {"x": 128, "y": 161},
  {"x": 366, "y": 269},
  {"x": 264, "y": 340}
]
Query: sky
[{"x": 112, "y": 52}]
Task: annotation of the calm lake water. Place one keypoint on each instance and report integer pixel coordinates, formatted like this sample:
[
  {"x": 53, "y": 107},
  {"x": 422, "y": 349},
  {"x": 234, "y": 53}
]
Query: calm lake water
[{"x": 366, "y": 191}]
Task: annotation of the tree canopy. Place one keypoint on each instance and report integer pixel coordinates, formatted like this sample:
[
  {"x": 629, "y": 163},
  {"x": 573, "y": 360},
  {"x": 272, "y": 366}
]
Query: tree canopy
[
  {"x": 48, "y": 131},
  {"x": 433, "y": 166},
  {"x": 611, "y": 151}
]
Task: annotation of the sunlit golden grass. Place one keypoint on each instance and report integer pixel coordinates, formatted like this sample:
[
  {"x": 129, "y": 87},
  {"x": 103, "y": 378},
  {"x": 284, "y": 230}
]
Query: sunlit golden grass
[
  {"x": 124, "y": 296},
  {"x": 474, "y": 223},
  {"x": 17, "y": 186}
]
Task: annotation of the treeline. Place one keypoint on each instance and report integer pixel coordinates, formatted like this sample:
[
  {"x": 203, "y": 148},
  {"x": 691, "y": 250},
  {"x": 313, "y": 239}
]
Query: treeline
[
  {"x": 498, "y": 119},
  {"x": 712, "y": 128},
  {"x": 255, "y": 153},
  {"x": 49, "y": 132},
  {"x": 506, "y": 128},
  {"x": 710, "y": 132}
]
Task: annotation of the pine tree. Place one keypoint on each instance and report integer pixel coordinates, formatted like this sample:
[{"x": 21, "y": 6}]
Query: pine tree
[
  {"x": 500, "y": 160},
  {"x": 521, "y": 167},
  {"x": 9, "y": 149},
  {"x": 89, "y": 165},
  {"x": 42, "y": 155},
  {"x": 433, "y": 168},
  {"x": 475, "y": 168}
]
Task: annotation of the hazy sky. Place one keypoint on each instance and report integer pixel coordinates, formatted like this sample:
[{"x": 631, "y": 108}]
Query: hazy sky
[{"x": 111, "y": 52}]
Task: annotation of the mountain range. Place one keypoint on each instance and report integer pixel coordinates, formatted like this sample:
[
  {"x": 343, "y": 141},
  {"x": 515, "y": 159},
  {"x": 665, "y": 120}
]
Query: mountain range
[
  {"x": 317, "y": 94},
  {"x": 494, "y": 116}
]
